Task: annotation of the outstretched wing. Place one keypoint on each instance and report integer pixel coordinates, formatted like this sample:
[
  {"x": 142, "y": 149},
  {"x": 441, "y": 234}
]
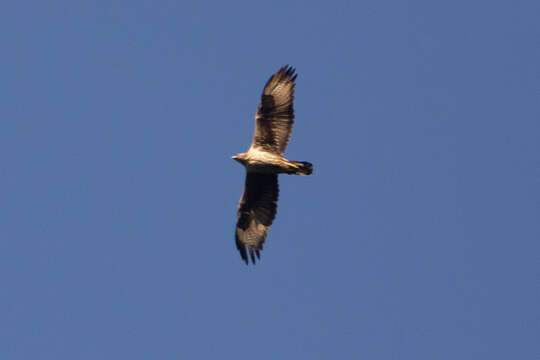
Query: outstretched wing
[
  {"x": 256, "y": 212},
  {"x": 275, "y": 114}
]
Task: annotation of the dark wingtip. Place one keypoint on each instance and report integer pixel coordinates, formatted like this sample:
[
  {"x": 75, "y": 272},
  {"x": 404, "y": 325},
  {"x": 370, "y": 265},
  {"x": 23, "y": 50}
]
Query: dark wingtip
[
  {"x": 242, "y": 249},
  {"x": 285, "y": 73},
  {"x": 254, "y": 254},
  {"x": 243, "y": 254},
  {"x": 288, "y": 71}
]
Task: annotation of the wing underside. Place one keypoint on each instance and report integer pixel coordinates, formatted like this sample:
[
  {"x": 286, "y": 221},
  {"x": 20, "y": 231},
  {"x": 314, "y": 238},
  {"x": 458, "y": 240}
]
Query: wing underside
[
  {"x": 275, "y": 114},
  {"x": 256, "y": 212}
]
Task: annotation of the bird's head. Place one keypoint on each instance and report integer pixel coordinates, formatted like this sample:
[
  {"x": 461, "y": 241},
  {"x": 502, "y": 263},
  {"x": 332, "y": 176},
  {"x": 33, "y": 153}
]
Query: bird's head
[{"x": 241, "y": 158}]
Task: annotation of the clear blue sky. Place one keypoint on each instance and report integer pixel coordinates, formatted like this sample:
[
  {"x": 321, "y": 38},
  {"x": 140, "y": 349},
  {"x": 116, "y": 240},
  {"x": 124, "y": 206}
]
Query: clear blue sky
[{"x": 416, "y": 238}]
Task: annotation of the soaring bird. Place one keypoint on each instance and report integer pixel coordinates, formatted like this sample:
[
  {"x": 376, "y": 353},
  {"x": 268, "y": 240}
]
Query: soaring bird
[{"x": 264, "y": 161}]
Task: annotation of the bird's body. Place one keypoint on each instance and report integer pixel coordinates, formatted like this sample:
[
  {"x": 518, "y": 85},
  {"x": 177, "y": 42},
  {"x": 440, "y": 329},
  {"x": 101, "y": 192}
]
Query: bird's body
[{"x": 264, "y": 161}]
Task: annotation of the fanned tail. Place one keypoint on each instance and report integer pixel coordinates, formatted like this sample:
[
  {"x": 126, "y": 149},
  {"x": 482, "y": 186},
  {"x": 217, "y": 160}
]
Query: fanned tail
[{"x": 303, "y": 168}]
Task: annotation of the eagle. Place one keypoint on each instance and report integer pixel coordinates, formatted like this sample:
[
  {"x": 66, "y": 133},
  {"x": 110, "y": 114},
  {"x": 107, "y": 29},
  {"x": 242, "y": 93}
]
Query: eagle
[{"x": 264, "y": 161}]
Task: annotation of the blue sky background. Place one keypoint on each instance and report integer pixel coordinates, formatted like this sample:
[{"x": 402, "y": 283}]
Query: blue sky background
[{"x": 416, "y": 238}]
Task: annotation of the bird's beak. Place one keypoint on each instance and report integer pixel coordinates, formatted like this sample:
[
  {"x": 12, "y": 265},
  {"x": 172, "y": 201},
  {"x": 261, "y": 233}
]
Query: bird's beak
[{"x": 234, "y": 157}]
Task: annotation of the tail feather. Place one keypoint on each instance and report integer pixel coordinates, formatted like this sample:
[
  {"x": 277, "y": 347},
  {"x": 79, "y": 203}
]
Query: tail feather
[{"x": 302, "y": 168}]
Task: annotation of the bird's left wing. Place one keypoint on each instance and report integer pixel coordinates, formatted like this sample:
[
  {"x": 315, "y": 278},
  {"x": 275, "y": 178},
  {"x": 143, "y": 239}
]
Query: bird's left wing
[
  {"x": 275, "y": 115},
  {"x": 256, "y": 212}
]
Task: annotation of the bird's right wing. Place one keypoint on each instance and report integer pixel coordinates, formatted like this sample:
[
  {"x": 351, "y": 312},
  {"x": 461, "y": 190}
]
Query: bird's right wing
[{"x": 256, "y": 212}]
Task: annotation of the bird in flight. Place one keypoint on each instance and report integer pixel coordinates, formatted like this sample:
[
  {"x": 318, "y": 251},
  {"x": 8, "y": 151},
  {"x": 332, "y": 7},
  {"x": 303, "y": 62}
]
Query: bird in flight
[{"x": 264, "y": 161}]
